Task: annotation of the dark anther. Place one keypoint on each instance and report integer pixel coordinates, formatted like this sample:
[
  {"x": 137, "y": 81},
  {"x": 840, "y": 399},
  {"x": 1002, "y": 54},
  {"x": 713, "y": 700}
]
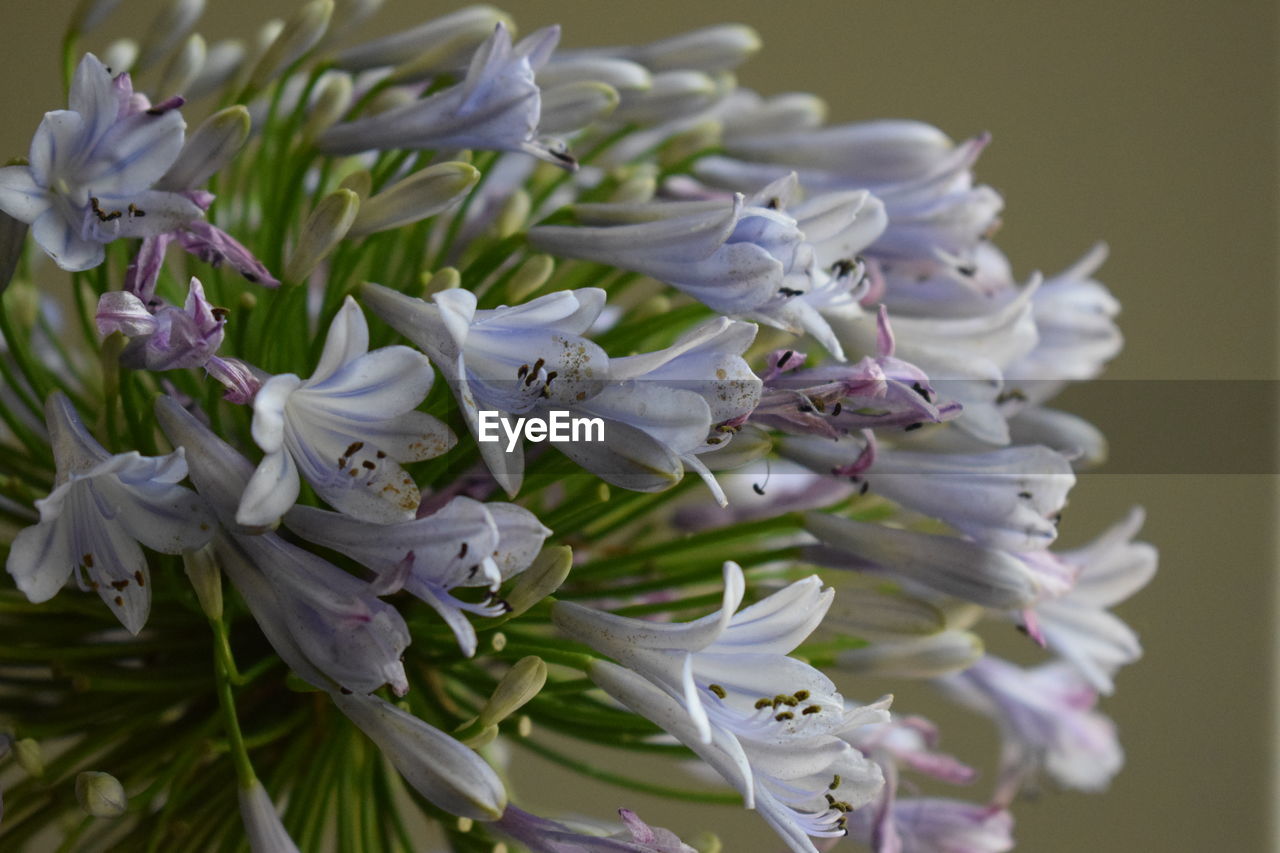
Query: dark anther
[
  {"x": 758, "y": 489},
  {"x": 354, "y": 448},
  {"x": 920, "y": 389},
  {"x": 1026, "y": 496},
  {"x": 912, "y": 427},
  {"x": 836, "y": 409},
  {"x": 843, "y": 267},
  {"x": 462, "y": 552},
  {"x": 785, "y": 357},
  {"x": 788, "y": 291},
  {"x": 866, "y": 487}
]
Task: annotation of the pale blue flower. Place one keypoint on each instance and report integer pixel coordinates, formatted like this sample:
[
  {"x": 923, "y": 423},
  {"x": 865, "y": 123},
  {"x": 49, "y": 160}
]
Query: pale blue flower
[
  {"x": 91, "y": 169},
  {"x": 546, "y": 836},
  {"x": 164, "y": 337},
  {"x": 496, "y": 107},
  {"x": 101, "y": 507},
  {"x": 345, "y": 429},
  {"x": 466, "y": 543}
]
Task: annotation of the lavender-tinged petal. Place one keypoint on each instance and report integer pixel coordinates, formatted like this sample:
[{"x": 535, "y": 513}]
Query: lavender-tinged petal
[
  {"x": 270, "y": 492},
  {"x": 21, "y": 196},
  {"x": 216, "y": 247},
  {"x": 134, "y": 153},
  {"x": 40, "y": 558},
  {"x": 62, "y": 242},
  {"x": 120, "y": 311},
  {"x": 148, "y": 213}
]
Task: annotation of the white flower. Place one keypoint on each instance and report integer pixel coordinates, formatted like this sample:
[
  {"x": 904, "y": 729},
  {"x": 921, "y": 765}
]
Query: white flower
[
  {"x": 91, "y": 169},
  {"x": 262, "y": 823},
  {"x": 101, "y": 507},
  {"x": 344, "y": 429}
]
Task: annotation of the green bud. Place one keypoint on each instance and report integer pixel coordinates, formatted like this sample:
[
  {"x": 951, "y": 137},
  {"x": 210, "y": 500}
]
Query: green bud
[
  {"x": 530, "y": 277},
  {"x": 706, "y": 842},
  {"x": 325, "y": 227},
  {"x": 444, "y": 279},
  {"x": 299, "y": 35},
  {"x": 100, "y": 794},
  {"x": 206, "y": 579},
  {"x": 30, "y": 756},
  {"x": 422, "y": 194},
  {"x": 183, "y": 67},
  {"x": 884, "y": 614},
  {"x": 513, "y": 216},
  {"x": 331, "y": 103},
  {"x": 498, "y": 641},
  {"x": 923, "y": 657},
  {"x": 213, "y": 145},
  {"x": 541, "y": 579},
  {"x": 359, "y": 182},
  {"x": 169, "y": 27},
  {"x": 482, "y": 738},
  {"x": 573, "y": 106},
  {"x": 521, "y": 683}
]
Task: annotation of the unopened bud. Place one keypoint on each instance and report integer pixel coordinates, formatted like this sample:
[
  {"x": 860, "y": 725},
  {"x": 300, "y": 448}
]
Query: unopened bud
[
  {"x": 465, "y": 824},
  {"x": 696, "y": 139},
  {"x": 498, "y": 641},
  {"x": 572, "y": 106},
  {"x": 783, "y": 113},
  {"x": 422, "y": 194},
  {"x": 883, "y": 614},
  {"x": 120, "y": 55},
  {"x": 331, "y": 103},
  {"x": 221, "y": 63},
  {"x": 448, "y": 41},
  {"x": 524, "y": 725},
  {"x": 444, "y": 279},
  {"x": 299, "y": 35},
  {"x": 347, "y": 15},
  {"x": 359, "y": 182},
  {"x": 673, "y": 95},
  {"x": 183, "y": 67},
  {"x": 711, "y": 49},
  {"x": 482, "y": 738},
  {"x": 926, "y": 657},
  {"x": 638, "y": 188},
  {"x": 390, "y": 99},
  {"x": 706, "y": 842},
  {"x": 206, "y": 579},
  {"x": 513, "y": 216},
  {"x": 171, "y": 26},
  {"x": 212, "y": 146},
  {"x": 89, "y": 14},
  {"x": 620, "y": 74},
  {"x": 529, "y": 278},
  {"x": 541, "y": 579},
  {"x": 521, "y": 683},
  {"x": 100, "y": 794},
  {"x": 30, "y": 756},
  {"x": 324, "y": 228}
]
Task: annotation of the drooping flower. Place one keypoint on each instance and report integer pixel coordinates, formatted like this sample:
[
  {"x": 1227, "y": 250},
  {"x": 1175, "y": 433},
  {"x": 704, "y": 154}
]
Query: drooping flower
[
  {"x": 496, "y": 107},
  {"x": 164, "y": 337},
  {"x": 101, "y": 507},
  {"x": 464, "y": 544},
  {"x": 345, "y": 429},
  {"x": 262, "y": 822},
  {"x": 1047, "y": 722},
  {"x": 507, "y": 359},
  {"x": 547, "y": 836},
  {"x": 1077, "y": 625},
  {"x": 91, "y": 170}
]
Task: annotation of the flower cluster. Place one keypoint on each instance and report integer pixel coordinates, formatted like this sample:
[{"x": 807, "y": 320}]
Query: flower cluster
[{"x": 245, "y": 451}]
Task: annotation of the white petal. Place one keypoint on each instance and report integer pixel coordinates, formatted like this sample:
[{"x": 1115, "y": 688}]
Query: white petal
[
  {"x": 20, "y": 196},
  {"x": 93, "y": 96},
  {"x": 372, "y": 386},
  {"x": 57, "y": 149},
  {"x": 40, "y": 558},
  {"x": 62, "y": 241},
  {"x": 271, "y": 491},
  {"x": 347, "y": 340},
  {"x": 134, "y": 153}
]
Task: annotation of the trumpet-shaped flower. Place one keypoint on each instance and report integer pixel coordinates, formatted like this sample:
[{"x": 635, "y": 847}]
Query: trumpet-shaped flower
[
  {"x": 345, "y": 429},
  {"x": 101, "y": 507},
  {"x": 91, "y": 168},
  {"x": 464, "y": 544},
  {"x": 164, "y": 337},
  {"x": 496, "y": 107},
  {"x": 507, "y": 359},
  {"x": 262, "y": 822},
  {"x": 1077, "y": 625},
  {"x": 1047, "y": 722}
]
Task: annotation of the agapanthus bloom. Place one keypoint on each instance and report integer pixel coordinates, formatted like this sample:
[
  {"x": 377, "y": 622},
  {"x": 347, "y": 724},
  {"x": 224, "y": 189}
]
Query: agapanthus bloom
[{"x": 91, "y": 169}]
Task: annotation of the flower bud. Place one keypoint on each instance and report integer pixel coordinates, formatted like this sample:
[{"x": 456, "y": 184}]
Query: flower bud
[
  {"x": 183, "y": 68},
  {"x": 445, "y": 279},
  {"x": 924, "y": 657},
  {"x": 391, "y": 99},
  {"x": 206, "y": 579},
  {"x": 262, "y": 824},
  {"x": 883, "y": 614},
  {"x": 221, "y": 63},
  {"x": 529, "y": 278},
  {"x": 711, "y": 49},
  {"x": 422, "y": 194},
  {"x": 638, "y": 187},
  {"x": 620, "y": 74},
  {"x": 299, "y": 35},
  {"x": 30, "y": 756},
  {"x": 120, "y": 55},
  {"x": 100, "y": 794},
  {"x": 359, "y": 182},
  {"x": 167, "y": 29},
  {"x": 347, "y": 15},
  {"x": 700, "y": 137},
  {"x": 447, "y": 41},
  {"x": 572, "y": 106},
  {"x": 482, "y": 738},
  {"x": 673, "y": 95},
  {"x": 331, "y": 102},
  {"x": 783, "y": 113},
  {"x": 706, "y": 842},
  {"x": 89, "y": 14},
  {"x": 212, "y": 146},
  {"x": 326, "y": 225},
  {"x": 541, "y": 579},
  {"x": 513, "y": 216},
  {"x": 521, "y": 683}
]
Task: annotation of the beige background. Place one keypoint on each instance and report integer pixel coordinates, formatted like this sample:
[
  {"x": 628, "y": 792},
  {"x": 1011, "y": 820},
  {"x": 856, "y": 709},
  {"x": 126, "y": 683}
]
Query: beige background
[{"x": 1152, "y": 124}]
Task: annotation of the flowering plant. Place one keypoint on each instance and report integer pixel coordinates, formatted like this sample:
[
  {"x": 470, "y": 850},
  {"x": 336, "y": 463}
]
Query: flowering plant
[{"x": 333, "y": 601}]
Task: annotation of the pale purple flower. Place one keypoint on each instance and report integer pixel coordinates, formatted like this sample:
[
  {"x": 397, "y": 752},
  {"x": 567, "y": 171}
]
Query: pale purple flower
[
  {"x": 262, "y": 824},
  {"x": 91, "y": 168},
  {"x": 933, "y": 825},
  {"x": 101, "y": 507},
  {"x": 345, "y": 429},
  {"x": 344, "y": 633},
  {"x": 163, "y": 337},
  {"x": 507, "y": 359},
  {"x": 1047, "y": 722},
  {"x": 464, "y": 544},
  {"x": 547, "y": 836},
  {"x": 1077, "y": 624},
  {"x": 496, "y": 107}
]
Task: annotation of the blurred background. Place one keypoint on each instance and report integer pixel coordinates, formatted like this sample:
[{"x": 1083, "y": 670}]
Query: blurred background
[{"x": 1151, "y": 124}]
